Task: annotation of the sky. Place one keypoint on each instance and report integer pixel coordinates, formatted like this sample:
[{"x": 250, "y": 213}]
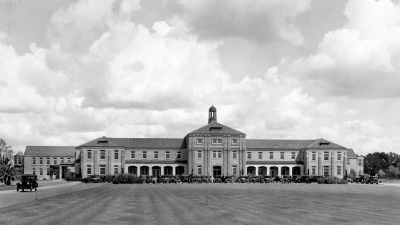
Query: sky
[{"x": 73, "y": 71}]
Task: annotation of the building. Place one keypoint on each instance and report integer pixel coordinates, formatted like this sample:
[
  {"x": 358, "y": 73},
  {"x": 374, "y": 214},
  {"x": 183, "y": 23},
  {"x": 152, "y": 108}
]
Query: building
[{"x": 212, "y": 150}]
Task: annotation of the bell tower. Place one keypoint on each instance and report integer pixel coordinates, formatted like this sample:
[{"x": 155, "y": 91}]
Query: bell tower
[{"x": 212, "y": 114}]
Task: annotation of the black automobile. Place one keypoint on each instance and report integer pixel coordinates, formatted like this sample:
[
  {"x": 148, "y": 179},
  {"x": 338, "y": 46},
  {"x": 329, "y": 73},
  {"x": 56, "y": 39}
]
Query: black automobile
[{"x": 28, "y": 182}]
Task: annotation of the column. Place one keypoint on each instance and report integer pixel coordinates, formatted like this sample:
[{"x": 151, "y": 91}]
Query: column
[
  {"x": 60, "y": 172},
  {"x": 256, "y": 170},
  {"x": 139, "y": 171},
  {"x": 290, "y": 170},
  {"x": 266, "y": 171},
  {"x": 162, "y": 170},
  {"x": 150, "y": 171},
  {"x": 279, "y": 170},
  {"x": 173, "y": 170}
]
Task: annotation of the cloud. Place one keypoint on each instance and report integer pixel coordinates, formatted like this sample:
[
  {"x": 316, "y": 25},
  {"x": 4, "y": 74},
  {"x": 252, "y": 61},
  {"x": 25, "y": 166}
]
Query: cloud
[
  {"x": 360, "y": 60},
  {"x": 264, "y": 21},
  {"x": 364, "y": 136}
]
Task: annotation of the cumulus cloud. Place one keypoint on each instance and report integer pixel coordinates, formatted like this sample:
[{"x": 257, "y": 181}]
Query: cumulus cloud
[
  {"x": 362, "y": 58},
  {"x": 263, "y": 21}
]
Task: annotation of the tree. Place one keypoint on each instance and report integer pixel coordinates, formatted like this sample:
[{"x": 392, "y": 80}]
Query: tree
[
  {"x": 376, "y": 161},
  {"x": 393, "y": 171},
  {"x": 7, "y": 170}
]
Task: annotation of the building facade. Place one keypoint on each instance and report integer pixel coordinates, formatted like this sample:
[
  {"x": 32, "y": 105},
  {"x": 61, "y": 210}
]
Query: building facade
[{"x": 211, "y": 150}]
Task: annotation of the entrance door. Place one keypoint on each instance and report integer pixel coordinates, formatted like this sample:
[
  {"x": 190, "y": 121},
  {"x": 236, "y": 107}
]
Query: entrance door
[
  {"x": 156, "y": 172},
  {"x": 216, "y": 171}
]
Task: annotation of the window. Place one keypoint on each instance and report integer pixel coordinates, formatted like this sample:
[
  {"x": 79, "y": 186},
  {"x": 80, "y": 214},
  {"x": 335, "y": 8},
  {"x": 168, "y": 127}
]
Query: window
[
  {"x": 115, "y": 169},
  {"x": 144, "y": 155},
  {"x": 314, "y": 156},
  {"x": 62, "y": 160},
  {"x": 348, "y": 161},
  {"x": 34, "y": 171},
  {"x": 115, "y": 154},
  {"x": 326, "y": 170},
  {"x": 199, "y": 141},
  {"x": 167, "y": 155},
  {"x": 102, "y": 169},
  {"x": 48, "y": 171},
  {"x": 179, "y": 155},
  {"x": 216, "y": 141},
  {"x": 234, "y": 170},
  {"x": 33, "y": 160},
  {"x": 89, "y": 154},
  {"x": 102, "y": 154},
  {"x": 217, "y": 154},
  {"x": 271, "y": 155},
  {"x": 89, "y": 169},
  {"x": 326, "y": 155},
  {"x": 234, "y": 154},
  {"x": 41, "y": 161},
  {"x": 55, "y": 161},
  {"x": 249, "y": 155},
  {"x": 156, "y": 154},
  {"x": 234, "y": 141},
  {"x": 199, "y": 170},
  {"x": 69, "y": 159},
  {"x": 48, "y": 161},
  {"x": 293, "y": 155},
  {"x": 198, "y": 154},
  {"x": 339, "y": 156},
  {"x": 19, "y": 160},
  {"x": 313, "y": 170},
  {"x": 41, "y": 171},
  {"x": 339, "y": 170},
  {"x": 359, "y": 162},
  {"x": 282, "y": 155},
  {"x": 132, "y": 154},
  {"x": 259, "y": 155}
]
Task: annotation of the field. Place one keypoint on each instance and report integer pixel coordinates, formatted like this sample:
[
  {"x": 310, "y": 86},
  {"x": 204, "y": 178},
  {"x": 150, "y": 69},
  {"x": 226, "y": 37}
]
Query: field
[{"x": 213, "y": 204}]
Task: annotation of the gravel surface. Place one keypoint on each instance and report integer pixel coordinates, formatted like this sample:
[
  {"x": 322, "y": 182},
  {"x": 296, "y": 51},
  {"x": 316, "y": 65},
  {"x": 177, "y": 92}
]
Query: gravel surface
[{"x": 212, "y": 204}]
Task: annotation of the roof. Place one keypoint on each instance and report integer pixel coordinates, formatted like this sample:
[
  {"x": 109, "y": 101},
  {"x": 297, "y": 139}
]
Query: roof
[
  {"x": 50, "y": 151},
  {"x": 351, "y": 154},
  {"x": 291, "y": 144},
  {"x": 216, "y": 128},
  {"x": 322, "y": 143},
  {"x": 277, "y": 143},
  {"x": 137, "y": 142}
]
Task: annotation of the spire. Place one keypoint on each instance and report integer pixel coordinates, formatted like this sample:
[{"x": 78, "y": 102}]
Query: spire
[{"x": 212, "y": 114}]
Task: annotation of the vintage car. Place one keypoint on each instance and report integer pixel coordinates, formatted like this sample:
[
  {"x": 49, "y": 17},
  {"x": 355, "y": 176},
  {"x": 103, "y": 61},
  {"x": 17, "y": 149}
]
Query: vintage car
[
  {"x": 92, "y": 179},
  {"x": 28, "y": 181},
  {"x": 372, "y": 180}
]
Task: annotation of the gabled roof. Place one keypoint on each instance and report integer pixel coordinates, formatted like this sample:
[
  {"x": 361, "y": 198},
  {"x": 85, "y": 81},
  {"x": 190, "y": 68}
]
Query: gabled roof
[
  {"x": 322, "y": 143},
  {"x": 101, "y": 142},
  {"x": 137, "y": 142},
  {"x": 50, "y": 151},
  {"x": 150, "y": 142},
  {"x": 351, "y": 154},
  {"x": 277, "y": 144},
  {"x": 216, "y": 128}
]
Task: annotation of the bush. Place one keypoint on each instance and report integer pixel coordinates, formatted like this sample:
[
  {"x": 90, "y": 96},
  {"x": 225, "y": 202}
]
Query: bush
[
  {"x": 332, "y": 181},
  {"x": 321, "y": 181},
  {"x": 342, "y": 181}
]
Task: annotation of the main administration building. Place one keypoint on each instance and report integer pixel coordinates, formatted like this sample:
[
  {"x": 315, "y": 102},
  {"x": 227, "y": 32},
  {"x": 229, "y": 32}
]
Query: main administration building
[{"x": 212, "y": 150}]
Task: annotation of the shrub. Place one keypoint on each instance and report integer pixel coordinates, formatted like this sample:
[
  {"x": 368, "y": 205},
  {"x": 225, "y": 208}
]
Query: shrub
[
  {"x": 321, "y": 181},
  {"x": 332, "y": 181},
  {"x": 342, "y": 181}
]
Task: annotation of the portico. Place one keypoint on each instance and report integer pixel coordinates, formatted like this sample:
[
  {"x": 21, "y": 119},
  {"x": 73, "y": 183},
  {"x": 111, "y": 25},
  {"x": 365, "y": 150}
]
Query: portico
[{"x": 274, "y": 170}]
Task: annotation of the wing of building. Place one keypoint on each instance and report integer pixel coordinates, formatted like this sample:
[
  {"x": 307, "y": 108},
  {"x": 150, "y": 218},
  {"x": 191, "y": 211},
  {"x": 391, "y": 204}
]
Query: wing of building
[{"x": 212, "y": 150}]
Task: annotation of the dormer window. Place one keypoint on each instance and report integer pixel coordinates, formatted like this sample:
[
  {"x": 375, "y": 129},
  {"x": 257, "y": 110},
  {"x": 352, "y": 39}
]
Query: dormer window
[
  {"x": 102, "y": 142},
  {"x": 323, "y": 143}
]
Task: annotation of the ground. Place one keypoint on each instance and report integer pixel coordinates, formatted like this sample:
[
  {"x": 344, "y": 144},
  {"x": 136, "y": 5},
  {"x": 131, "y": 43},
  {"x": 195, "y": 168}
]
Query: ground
[{"x": 208, "y": 204}]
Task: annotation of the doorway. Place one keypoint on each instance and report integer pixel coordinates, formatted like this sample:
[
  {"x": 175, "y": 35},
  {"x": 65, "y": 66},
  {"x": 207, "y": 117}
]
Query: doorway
[{"x": 216, "y": 171}]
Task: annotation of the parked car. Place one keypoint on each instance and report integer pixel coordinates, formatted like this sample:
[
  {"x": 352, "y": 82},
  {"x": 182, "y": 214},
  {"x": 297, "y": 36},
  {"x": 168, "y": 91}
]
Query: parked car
[
  {"x": 372, "y": 180},
  {"x": 28, "y": 181},
  {"x": 91, "y": 179}
]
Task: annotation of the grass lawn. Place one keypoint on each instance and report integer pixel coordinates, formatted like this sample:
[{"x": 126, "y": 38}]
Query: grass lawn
[{"x": 214, "y": 204}]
